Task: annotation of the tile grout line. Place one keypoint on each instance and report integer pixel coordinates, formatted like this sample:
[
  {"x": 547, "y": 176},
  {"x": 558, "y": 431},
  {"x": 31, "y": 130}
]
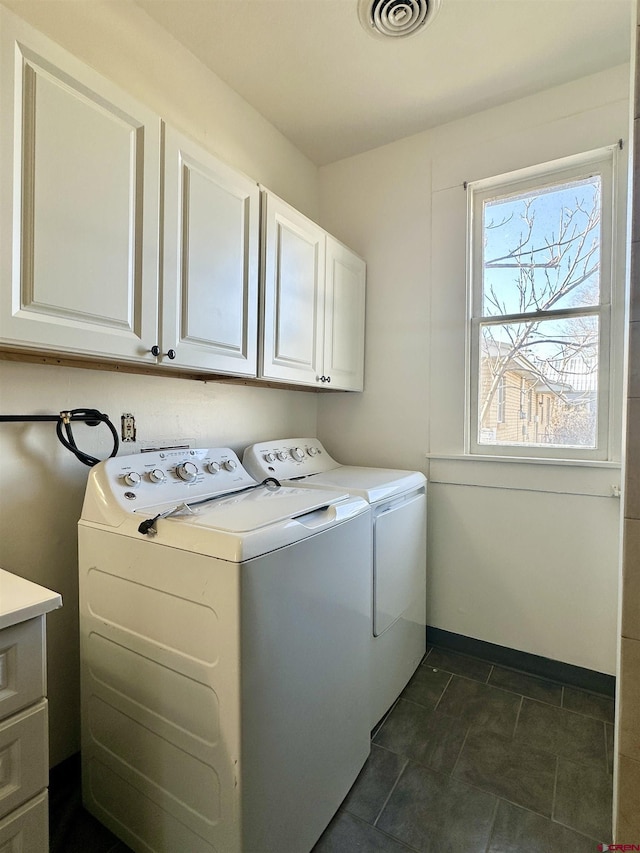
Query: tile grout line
[
  {"x": 555, "y": 788},
  {"x": 389, "y": 795},
  {"x": 577, "y": 831},
  {"x": 520, "y": 706},
  {"x": 493, "y": 825},
  {"x": 404, "y": 844},
  {"x": 455, "y": 764},
  {"x": 435, "y": 707},
  {"x": 606, "y": 747}
]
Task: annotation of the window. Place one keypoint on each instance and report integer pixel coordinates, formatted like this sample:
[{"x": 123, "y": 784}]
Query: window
[{"x": 540, "y": 294}]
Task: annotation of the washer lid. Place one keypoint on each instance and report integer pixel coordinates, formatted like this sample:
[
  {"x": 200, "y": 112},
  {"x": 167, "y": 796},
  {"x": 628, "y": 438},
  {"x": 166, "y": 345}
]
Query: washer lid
[
  {"x": 306, "y": 461},
  {"x": 250, "y": 511},
  {"x": 204, "y": 501},
  {"x": 372, "y": 484},
  {"x": 242, "y": 527}
]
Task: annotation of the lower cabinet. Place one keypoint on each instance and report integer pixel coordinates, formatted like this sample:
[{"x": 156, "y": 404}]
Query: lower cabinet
[
  {"x": 24, "y": 741},
  {"x": 26, "y": 829}
]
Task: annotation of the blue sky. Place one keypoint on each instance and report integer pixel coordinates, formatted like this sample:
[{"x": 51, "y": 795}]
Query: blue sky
[{"x": 504, "y": 228}]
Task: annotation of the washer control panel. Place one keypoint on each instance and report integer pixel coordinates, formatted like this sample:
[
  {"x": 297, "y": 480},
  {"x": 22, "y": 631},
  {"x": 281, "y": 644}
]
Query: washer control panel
[
  {"x": 164, "y": 476},
  {"x": 287, "y": 459}
]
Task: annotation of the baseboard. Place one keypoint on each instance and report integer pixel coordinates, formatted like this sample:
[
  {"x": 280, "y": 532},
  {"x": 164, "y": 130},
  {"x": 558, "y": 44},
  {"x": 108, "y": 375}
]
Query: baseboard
[{"x": 553, "y": 670}]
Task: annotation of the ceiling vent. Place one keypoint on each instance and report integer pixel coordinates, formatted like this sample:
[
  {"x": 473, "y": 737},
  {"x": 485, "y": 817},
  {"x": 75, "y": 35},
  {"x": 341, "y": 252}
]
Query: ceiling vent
[{"x": 396, "y": 18}]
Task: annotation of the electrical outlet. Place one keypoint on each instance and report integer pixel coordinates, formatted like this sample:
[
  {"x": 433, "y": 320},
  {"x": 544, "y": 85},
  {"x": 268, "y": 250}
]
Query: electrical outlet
[{"x": 128, "y": 427}]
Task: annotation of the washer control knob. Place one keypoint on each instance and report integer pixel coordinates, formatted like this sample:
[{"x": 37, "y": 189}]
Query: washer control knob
[
  {"x": 132, "y": 478},
  {"x": 230, "y": 465},
  {"x": 297, "y": 453},
  {"x": 269, "y": 457},
  {"x": 157, "y": 475},
  {"x": 187, "y": 471},
  {"x": 282, "y": 455},
  {"x": 312, "y": 451},
  {"x": 213, "y": 467}
]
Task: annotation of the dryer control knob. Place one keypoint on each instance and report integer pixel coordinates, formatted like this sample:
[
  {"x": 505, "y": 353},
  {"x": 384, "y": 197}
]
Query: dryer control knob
[
  {"x": 132, "y": 478},
  {"x": 312, "y": 451},
  {"x": 269, "y": 457},
  {"x": 230, "y": 464},
  {"x": 213, "y": 467},
  {"x": 282, "y": 455},
  {"x": 187, "y": 471},
  {"x": 297, "y": 453},
  {"x": 157, "y": 475}
]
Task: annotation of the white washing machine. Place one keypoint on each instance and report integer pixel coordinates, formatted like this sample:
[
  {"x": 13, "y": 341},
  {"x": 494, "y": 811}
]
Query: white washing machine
[
  {"x": 224, "y": 654},
  {"x": 398, "y": 501}
]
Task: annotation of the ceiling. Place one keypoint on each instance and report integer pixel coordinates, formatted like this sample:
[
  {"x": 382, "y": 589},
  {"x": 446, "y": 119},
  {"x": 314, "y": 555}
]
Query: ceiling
[{"x": 309, "y": 67}]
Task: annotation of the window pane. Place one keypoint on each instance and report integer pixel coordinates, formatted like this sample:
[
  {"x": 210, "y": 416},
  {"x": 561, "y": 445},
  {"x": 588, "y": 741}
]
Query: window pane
[
  {"x": 541, "y": 249},
  {"x": 538, "y": 383}
]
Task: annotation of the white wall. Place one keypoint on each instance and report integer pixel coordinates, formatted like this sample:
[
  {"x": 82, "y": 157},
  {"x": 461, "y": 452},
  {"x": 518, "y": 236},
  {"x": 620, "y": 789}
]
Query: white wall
[
  {"x": 380, "y": 203},
  {"x": 524, "y": 556},
  {"x": 41, "y": 484},
  {"x": 120, "y": 41}
]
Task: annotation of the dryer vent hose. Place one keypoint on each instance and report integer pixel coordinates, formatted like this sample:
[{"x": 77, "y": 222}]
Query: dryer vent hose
[{"x": 63, "y": 421}]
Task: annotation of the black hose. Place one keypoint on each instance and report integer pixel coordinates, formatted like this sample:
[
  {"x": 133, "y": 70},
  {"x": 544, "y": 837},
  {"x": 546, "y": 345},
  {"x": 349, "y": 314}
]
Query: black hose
[{"x": 92, "y": 417}]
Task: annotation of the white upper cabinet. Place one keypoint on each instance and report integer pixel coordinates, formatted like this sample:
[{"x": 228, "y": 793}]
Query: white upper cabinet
[
  {"x": 79, "y": 163},
  {"x": 345, "y": 281},
  {"x": 122, "y": 240},
  {"x": 210, "y": 271},
  {"x": 313, "y": 292},
  {"x": 292, "y": 294}
]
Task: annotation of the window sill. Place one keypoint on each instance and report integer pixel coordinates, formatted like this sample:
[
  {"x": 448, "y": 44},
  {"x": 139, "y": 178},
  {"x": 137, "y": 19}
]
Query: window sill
[
  {"x": 527, "y": 460},
  {"x": 592, "y": 478}
]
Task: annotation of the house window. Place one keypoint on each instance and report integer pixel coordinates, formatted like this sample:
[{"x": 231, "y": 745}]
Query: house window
[{"x": 540, "y": 295}]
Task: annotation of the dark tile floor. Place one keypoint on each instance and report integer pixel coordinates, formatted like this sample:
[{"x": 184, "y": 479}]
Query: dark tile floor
[
  {"x": 71, "y": 828},
  {"x": 473, "y": 758}
]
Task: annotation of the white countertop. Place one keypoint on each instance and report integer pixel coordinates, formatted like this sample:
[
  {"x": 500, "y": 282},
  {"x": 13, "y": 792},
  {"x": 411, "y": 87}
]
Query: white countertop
[{"x": 21, "y": 599}]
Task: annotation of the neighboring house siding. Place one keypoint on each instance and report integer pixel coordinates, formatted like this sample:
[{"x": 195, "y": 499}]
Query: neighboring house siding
[{"x": 520, "y": 399}]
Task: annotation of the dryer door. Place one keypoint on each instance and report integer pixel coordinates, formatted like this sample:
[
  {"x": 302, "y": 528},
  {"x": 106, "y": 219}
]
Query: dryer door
[{"x": 399, "y": 558}]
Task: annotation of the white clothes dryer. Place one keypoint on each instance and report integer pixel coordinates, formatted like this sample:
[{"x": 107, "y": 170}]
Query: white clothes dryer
[
  {"x": 398, "y": 501},
  {"x": 224, "y": 654}
]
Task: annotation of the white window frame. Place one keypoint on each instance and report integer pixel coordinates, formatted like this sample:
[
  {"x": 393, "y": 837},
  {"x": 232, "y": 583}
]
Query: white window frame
[{"x": 603, "y": 163}]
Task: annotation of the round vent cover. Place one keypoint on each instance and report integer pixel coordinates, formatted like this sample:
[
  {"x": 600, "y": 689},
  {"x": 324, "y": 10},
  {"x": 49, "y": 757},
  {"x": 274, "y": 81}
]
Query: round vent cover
[{"x": 396, "y": 18}]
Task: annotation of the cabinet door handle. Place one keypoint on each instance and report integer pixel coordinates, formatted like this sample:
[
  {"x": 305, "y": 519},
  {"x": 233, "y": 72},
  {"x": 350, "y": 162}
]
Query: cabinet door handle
[{"x": 155, "y": 350}]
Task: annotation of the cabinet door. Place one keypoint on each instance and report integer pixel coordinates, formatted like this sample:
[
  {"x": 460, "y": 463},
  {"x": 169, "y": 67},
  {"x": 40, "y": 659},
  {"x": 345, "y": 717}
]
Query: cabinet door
[
  {"x": 292, "y": 294},
  {"x": 210, "y": 282},
  {"x": 344, "y": 317},
  {"x": 79, "y": 163}
]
